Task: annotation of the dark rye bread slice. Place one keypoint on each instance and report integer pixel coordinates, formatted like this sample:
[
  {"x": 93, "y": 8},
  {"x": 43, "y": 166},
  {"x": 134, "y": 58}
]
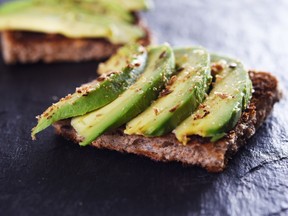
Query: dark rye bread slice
[
  {"x": 29, "y": 47},
  {"x": 212, "y": 156}
]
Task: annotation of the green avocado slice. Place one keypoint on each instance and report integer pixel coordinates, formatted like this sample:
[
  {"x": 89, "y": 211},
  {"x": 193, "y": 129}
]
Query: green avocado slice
[
  {"x": 222, "y": 108},
  {"x": 134, "y": 5},
  {"x": 130, "y": 5},
  {"x": 160, "y": 67},
  {"x": 100, "y": 92},
  {"x": 71, "y": 20},
  {"x": 120, "y": 60},
  {"x": 181, "y": 97},
  {"x": 102, "y": 7}
]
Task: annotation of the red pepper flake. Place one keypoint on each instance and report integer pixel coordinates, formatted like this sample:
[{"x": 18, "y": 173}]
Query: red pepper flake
[
  {"x": 180, "y": 69},
  {"x": 216, "y": 68},
  {"x": 162, "y": 55},
  {"x": 165, "y": 92},
  {"x": 206, "y": 112},
  {"x": 130, "y": 66},
  {"x": 201, "y": 106},
  {"x": 222, "y": 95},
  {"x": 172, "y": 80},
  {"x": 101, "y": 78},
  {"x": 199, "y": 116},
  {"x": 68, "y": 97},
  {"x": 156, "y": 110},
  {"x": 174, "y": 108}
]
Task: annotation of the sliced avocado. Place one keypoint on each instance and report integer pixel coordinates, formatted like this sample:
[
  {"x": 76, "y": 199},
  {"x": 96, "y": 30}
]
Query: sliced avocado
[
  {"x": 222, "y": 108},
  {"x": 123, "y": 7},
  {"x": 134, "y": 100},
  {"x": 109, "y": 9},
  {"x": 180, "y": 98},
  {"x": 112, "y": 8},
  {"x": 69, "y": 20},
  {"x": 15, "y": 6},
  {"x": 100, "y": 92},
  {"x": 134, "y": 5},
  {"x": 117, "y": 61},
  {"x": 130, "y": 5},
  {"x": 100, "y": 7}
]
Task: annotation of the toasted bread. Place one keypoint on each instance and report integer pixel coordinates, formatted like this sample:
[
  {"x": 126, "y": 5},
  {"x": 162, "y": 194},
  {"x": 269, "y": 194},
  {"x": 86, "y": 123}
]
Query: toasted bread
[{"x": 212, "y": 156}]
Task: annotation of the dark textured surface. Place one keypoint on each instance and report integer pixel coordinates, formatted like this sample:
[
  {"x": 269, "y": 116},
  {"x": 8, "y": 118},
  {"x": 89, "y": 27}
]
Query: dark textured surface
[{"x": 54, "y": 177}]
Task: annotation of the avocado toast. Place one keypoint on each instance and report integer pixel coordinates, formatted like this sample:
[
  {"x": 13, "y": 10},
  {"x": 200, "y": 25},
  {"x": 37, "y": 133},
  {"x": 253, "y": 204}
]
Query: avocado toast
[
  {"x": 187, "y": 105},
  {"x": 68, "y": 30}
]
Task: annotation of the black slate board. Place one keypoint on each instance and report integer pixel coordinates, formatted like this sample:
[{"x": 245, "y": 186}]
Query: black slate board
[{"x": 54, "y": 177}]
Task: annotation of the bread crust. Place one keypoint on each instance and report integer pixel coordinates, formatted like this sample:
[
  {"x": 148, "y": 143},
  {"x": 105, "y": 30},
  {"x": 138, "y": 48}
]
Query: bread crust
[
  {"x": 212, "y": 156},
  {"x": 30, "y": 47}
]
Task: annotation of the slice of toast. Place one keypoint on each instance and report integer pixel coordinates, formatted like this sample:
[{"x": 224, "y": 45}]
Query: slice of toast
[
  {"x": 29, "y": 47},
  {"x": 212, "y": 156}
]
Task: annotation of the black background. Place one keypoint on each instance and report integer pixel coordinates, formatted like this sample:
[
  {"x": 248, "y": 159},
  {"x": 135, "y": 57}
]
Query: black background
[{"x": 52, "y": 176}]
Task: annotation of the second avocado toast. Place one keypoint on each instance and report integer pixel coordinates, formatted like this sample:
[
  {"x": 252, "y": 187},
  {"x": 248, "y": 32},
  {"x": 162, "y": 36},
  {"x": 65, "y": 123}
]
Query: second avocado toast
[
  {"x": 69, "y": 30},
  {"x": 181, "y": 104}
]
